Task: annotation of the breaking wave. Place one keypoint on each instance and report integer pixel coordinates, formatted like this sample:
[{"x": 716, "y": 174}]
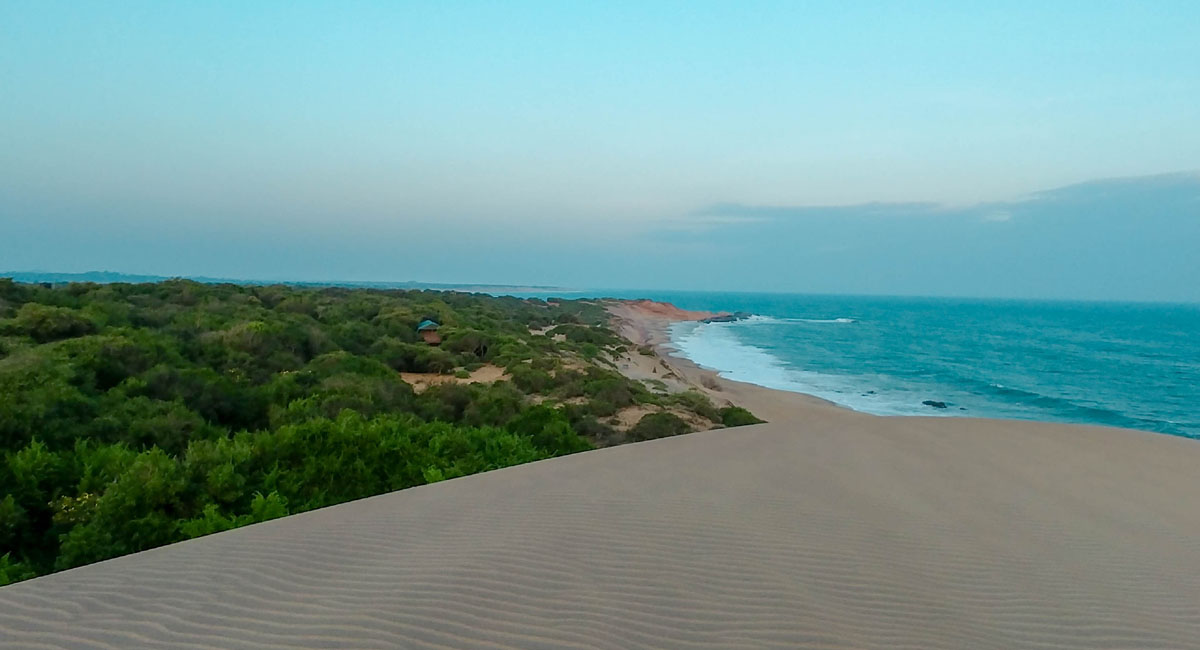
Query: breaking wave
[
  {"x": 750, "y": 320},
  {"x": 715, "y": 346}
]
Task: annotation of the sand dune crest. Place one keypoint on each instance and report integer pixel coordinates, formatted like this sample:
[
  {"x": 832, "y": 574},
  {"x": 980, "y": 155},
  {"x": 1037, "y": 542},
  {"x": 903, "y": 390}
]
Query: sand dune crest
[{"x": 845, "y": 532}]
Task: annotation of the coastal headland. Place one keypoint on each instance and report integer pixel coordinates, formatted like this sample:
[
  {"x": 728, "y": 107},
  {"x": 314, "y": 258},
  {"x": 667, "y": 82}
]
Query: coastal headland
[{"x": 824, "y": 528}]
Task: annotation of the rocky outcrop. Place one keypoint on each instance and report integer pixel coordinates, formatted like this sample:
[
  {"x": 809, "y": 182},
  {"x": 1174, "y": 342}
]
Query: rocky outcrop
[{"x": 727, "y": 318}]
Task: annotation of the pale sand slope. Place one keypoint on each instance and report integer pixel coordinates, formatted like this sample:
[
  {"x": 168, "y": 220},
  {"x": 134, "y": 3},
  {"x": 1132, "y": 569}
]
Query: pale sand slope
[{"x": 835, "y": 531}]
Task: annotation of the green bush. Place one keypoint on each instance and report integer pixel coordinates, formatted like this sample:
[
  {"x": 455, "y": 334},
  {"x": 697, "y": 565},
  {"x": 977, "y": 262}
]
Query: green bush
[
  {"x": 492, "y": 405},
  {"x": 470, "y": 342},
  {"x": 12, "y": 571},
  {"x": 609, "y": 388},
  {"x": 658, "y": 425},
  {"x": 548, "y": 429},
  {"x": 530, "y": 380},
  {"x": 736, "y": 416},
  {"x": 40, "y": 397},
  {"x": 590, "y": 427},
  {"x": 413, "y": 357},
  {"x": 142, "y": 422},
  {"x": 342, "y": 362},
  {"x": 44, "y": 323},
  {"x": 698, "y": 403}
]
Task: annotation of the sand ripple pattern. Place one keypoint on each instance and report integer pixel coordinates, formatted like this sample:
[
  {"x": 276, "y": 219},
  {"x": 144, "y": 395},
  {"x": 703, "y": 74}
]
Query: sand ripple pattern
[{"x": 846, "y": 531}]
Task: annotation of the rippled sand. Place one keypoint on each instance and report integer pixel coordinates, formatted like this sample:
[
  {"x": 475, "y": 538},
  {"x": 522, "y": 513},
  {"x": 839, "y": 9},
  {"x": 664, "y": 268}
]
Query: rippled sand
[{"x": 836, "y": 531}]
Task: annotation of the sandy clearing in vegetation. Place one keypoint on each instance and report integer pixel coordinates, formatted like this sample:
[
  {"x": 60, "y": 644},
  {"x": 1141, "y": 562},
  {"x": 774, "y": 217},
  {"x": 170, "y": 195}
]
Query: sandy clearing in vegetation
[{"x": 420, "y": 381}]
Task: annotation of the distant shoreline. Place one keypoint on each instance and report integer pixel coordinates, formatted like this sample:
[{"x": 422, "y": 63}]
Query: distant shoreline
[
  {"x": 550, "y": 291},
  {"x": 109, "y": 277},
  {"x": 647, "y": 323}
]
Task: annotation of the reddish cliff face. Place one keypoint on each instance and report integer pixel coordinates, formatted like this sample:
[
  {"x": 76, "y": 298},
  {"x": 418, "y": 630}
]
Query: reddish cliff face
[{"x": 664, "y": 310}]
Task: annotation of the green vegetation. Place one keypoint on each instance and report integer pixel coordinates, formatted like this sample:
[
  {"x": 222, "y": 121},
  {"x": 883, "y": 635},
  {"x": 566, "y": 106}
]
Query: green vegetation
[
  {"x": 736, "y": 416},
  {"x": 658, "y": 425},
  {"x": 133, "y": 416}
]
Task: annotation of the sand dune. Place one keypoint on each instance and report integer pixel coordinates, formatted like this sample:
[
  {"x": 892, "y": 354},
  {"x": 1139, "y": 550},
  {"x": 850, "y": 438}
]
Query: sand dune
[{"x": 839, "y": 531}]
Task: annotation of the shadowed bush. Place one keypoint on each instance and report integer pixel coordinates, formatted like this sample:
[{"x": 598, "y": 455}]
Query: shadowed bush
[
  {"x": 44, "y": 323},
  {"x": 658, "y": 425}
]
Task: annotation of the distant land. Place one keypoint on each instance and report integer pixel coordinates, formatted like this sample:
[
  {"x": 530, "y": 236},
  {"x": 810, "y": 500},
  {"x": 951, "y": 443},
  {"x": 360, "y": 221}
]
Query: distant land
[{"x": 107, "y": 277}]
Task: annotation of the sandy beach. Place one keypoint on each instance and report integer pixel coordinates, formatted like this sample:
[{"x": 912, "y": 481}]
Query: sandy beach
[
  {"x": 824, "y": 528},
  {"x": 647, "y": 323}
]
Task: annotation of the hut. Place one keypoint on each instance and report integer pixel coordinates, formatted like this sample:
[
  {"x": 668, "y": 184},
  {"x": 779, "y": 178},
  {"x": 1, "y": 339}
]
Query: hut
[{"x": 428, "y": 331}]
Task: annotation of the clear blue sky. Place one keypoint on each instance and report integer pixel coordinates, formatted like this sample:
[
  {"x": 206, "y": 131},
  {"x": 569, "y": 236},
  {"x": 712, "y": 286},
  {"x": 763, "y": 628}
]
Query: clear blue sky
[{"x": 575, "y": 143}]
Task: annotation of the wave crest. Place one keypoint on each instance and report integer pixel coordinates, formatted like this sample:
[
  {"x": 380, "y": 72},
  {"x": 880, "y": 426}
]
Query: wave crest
[{"x": 772, "y": 320}]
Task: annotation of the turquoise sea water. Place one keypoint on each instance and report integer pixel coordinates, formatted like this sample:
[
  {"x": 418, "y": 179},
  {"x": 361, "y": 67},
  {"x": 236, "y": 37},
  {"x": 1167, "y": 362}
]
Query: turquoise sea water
[{"x": 1124, "y": 365}]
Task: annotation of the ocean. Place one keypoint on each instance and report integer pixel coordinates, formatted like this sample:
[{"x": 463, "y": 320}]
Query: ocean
[{"x": 1127, "y": 365}]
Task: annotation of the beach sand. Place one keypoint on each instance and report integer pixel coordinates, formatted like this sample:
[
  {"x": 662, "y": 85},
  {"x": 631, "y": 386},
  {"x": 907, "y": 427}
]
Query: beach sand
[
  {"x": 825, "y": 528},
  {"x": 647, "y": 323}
]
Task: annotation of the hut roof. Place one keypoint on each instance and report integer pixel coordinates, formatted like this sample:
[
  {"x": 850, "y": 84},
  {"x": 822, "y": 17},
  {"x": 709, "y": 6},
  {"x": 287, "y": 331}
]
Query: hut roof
[{"x": 427, "y": 325}]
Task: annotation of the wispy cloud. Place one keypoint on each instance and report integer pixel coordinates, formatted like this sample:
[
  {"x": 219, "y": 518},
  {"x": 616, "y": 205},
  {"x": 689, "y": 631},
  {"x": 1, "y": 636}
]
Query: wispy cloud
[
  {"x": 744, "y": 212},
  {"x": 1175, "y": 187},
  {"x": 1131, "y": 238}
]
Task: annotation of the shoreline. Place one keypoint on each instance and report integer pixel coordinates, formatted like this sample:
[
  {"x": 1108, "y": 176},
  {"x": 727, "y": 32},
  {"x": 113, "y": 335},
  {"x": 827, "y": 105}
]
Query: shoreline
[{"x": 651, "y": 328}]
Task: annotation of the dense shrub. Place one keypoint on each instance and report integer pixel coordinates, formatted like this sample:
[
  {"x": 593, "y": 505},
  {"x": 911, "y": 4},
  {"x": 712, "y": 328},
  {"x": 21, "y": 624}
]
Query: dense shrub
[
  {"x": 413, "y": 357},
  {"x": 699, "y": 403},
  {"x": 142, "y": 422},
  {"x": 609, "y": 388},
  {"x": 658, "y": 425},
  {"x": 736, "y": 416},
  {"x": 589, "y": 427},
  {"x": 601, "y": 336},
  {"x": 45, "y": 323},
  {"x": 471, "y": 342},
  {"x": 548, "y": 429},
  {"x": 530, "y": 379},
  {"x": 40, "y": 397},
  {"x": 493, "y": 405}
]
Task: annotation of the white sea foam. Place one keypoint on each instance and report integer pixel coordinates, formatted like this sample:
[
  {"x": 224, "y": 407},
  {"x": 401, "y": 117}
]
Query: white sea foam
[
  {"x": 716, "y": 346},
  {"x": 757, "y": 319}
]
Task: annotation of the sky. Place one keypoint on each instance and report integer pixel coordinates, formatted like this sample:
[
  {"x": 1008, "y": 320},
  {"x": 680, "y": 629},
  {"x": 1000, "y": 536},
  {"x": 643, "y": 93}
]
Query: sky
[{"x": 827, "y": 147}]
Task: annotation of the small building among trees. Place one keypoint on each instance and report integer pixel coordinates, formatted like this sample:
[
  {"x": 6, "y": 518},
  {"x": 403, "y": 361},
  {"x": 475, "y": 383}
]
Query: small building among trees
[{"x": 428, "y": 330}]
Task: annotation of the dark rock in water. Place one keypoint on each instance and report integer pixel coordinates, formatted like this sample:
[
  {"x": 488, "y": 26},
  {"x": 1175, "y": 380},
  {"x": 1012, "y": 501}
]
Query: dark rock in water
[
  {"x": 728, "y": 318},
  {"x": 936, "y": 405},
  {"x": 870, "y": 392},
  {"x": 962, "y": 408}
]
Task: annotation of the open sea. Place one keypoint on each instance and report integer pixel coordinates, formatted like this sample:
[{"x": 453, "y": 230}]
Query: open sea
[{"x": 1128, "y": 365}]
